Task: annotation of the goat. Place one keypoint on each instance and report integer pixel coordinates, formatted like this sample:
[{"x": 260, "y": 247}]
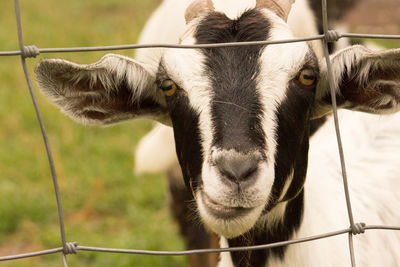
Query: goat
[{"x": 241, "y": 120}]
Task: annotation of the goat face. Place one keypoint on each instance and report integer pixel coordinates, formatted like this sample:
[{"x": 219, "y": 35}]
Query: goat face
[{"x": 240, "y": 115}]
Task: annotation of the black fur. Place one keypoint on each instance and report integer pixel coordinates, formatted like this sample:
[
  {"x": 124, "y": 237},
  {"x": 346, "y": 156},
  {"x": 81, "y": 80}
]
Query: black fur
[
  {"x": 238, "y": 124},
  {"x": 292, "y": 150},
  {"x": 293, "y": 137},
  {"x": 236, "y": 116},
  {"x": 236, "y": 109},
  {"x": 187, "y": 138},
  {"x": 282, "y": 232}
]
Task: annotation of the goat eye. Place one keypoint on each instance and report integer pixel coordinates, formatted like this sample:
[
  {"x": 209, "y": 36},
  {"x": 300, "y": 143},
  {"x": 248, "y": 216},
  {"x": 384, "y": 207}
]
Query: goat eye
[
  {"x": 307, "y": 77},
  {"x": 168, "y": 87}
]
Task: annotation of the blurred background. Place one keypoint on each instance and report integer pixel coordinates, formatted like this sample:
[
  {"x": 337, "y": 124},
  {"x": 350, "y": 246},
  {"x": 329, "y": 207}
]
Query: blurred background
[
  {"x": 104, "y": 203},
  {"x": 375, "y": 16}
]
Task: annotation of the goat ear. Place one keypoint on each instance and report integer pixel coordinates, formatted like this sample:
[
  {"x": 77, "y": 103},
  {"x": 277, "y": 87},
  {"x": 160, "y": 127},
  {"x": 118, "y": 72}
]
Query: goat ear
[
  {"x": 114, "y": 89},
  {"x": 364, "y": 80}
]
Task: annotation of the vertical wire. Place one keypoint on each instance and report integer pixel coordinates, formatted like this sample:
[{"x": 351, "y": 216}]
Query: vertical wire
[
  {"x": 42, "y": 128},
  {"x": 337, "y": 128},
  {"x": 64, "y": 259},
  {"x": 351, "y": 247}
]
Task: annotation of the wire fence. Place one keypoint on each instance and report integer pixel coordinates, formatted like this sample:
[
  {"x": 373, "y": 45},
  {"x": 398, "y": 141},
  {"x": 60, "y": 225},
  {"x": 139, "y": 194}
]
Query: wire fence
[{"x": 73, "y": 247}]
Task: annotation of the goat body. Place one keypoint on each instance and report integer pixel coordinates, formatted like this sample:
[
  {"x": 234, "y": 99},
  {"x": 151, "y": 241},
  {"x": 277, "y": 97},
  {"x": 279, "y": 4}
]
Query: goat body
[{"x": 241, "y": 127}]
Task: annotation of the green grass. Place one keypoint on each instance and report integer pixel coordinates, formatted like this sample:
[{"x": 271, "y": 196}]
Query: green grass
[
  {"x": 105, "y": 204},
  {"x": 386, "y": 43}
]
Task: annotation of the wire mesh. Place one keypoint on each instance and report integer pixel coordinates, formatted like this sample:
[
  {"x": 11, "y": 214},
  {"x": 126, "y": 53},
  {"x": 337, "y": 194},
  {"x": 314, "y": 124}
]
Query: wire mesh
[{"x": 73, "y": 247}]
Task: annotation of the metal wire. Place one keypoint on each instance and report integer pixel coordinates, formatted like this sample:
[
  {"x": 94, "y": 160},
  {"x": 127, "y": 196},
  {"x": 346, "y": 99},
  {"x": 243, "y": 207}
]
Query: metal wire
[
  {"x": 142, "y": 46},
  {"x": 337, "y": 126},
  {"x": 199, "y": 251},
  {"x": 72, "y": 248},
  {"x": 42, "y": 129},
  {"x": 32, "y": 254}
]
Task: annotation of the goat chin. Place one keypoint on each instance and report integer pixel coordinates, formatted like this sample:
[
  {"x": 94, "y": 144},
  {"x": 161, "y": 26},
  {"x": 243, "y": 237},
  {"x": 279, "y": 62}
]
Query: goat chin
[{"x": 228, "y": 226}]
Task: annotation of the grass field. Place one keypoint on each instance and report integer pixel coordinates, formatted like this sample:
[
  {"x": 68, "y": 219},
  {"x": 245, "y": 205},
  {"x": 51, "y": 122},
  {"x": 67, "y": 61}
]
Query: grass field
[{"x": 104, "y": 203}]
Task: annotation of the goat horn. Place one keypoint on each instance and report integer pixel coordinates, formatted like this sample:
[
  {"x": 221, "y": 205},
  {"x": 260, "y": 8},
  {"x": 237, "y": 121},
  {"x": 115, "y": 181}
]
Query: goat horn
[
  {"x": 280, "y": 7},
  {"x": 198, "y": 7}
]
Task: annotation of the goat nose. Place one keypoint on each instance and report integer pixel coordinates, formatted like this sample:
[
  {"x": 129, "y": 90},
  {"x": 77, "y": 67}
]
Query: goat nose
[{"x": 235, "y": 166}]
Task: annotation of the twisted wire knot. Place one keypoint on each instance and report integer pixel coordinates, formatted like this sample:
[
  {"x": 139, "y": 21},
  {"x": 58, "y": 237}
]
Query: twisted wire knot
[
  {"x": 30, "y": 51},
  {"x": 332, "y": 36},
  {"x": 70, "y": 248},
  {"x": 358, "y": 228}
]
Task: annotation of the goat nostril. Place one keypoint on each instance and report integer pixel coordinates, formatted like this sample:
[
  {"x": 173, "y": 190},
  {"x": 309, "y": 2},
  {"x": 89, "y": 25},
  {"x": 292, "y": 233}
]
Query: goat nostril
[
  {"x": 235, "y": 166},
  {"x": 238, "y": 176}
]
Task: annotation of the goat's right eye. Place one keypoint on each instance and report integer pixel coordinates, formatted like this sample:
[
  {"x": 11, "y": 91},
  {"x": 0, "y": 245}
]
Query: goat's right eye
[
  {"x": 168, "y": 87},
  {"x": 307, "y": 77}
]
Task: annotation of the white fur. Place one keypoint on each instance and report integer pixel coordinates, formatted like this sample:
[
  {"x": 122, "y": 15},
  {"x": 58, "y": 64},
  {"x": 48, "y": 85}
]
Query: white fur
[
  {"x": 283, "y": 63},
  {"x": 254, "y": 197},
  {"x": 371, "y": 149},
  {"x": 235, "y": 8},
  {"x": 153, "y": 146},
  {"x": 156, "y": 31},
  {"x": 373, "y": 169},
  {"x": 302, "y": 23},
  {"x": 372, "y": 163},
  {"x": 371, "y": 143},
  {"x": 225, "y": 258},
  {"x": 186, "y": 69}
]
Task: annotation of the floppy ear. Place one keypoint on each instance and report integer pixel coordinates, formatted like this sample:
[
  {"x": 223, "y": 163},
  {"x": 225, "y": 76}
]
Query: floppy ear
[
  {"x": 114, "y": 89},
  {"x": 364, "y": 80}
]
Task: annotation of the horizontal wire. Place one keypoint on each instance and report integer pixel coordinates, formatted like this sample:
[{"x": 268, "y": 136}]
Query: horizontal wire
[
  {"x": 370, "y": 36},
  {"x": 161, "y": 45},
  {"x": 216, "y": 250},
  {"x": 31, "y": 254},
  {"x": 199, "y": 251},
  {"x": 179, "y": 46}
]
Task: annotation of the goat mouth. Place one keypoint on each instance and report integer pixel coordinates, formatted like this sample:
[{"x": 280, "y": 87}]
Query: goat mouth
[{"x": 221, "y": 211}]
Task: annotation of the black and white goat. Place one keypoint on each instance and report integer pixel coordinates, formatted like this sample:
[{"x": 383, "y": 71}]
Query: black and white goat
[{"x": 241, "y": 122}]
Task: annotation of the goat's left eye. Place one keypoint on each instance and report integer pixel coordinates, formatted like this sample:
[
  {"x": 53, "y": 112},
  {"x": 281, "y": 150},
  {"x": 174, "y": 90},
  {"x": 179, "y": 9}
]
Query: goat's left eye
[
  {"x": 168, "y": 87},
  {"x": 307, "y": 77}
]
